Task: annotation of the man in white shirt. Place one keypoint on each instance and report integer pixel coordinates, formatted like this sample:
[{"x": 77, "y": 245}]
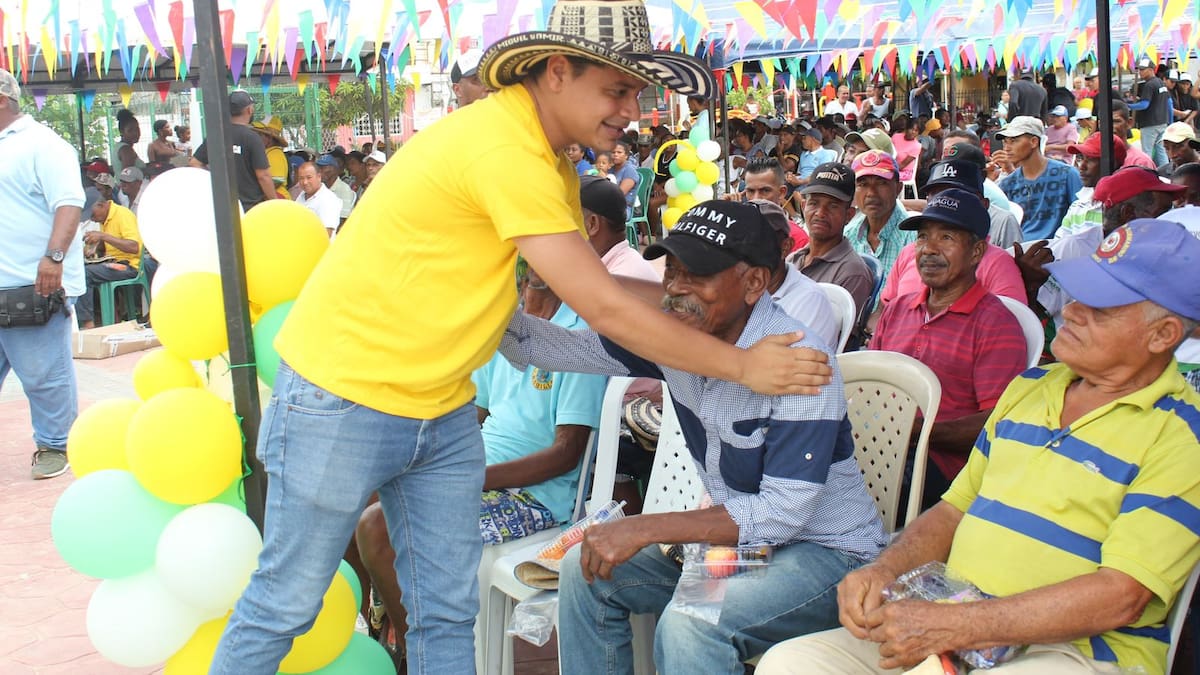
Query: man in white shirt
[
  {"x": 317, "y": 198},
  {"x": 331, "y": 172},
  {"x": 842, "y": 104}
]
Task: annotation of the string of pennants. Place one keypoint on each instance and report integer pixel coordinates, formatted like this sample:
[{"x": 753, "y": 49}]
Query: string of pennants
[{"x": 819, "y": 37}]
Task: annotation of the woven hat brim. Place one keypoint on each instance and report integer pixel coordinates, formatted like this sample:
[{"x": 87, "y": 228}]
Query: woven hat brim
[{"x": 508, "y": 61}]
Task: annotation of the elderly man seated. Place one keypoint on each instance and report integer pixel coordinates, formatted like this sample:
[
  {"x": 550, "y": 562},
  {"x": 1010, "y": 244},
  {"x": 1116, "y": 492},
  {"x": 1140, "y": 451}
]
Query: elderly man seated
[
  {"x": 954, "y": 325},
  {"x": 780, "y": 471},
  {"x": 1078, "y": 508}
]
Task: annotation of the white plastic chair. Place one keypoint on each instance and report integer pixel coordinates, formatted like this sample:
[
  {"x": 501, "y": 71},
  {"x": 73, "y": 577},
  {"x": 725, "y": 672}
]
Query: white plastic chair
[
  {"x": 884, "y": 391},
  {"x": 1035, "y": 334},
  {"x": 538, "y": 539},
  {"x": 1179, "y": 612},
  {"x": 498, "y": 585},
  {"x": 1016, "y": 209},
  {"x": 843, "y": 305}
]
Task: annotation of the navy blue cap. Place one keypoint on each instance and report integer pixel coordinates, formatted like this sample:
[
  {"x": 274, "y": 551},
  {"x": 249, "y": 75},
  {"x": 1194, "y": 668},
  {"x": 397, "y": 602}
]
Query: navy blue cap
[{"x": 954, "y": 207}]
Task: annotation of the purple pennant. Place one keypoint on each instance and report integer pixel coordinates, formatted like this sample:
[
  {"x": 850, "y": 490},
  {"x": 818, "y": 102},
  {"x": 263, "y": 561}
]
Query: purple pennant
[
  {"x": 83, "y": 46},
  {"x": 492, "y": 30},
  {"x": 237, "y": 59},
  {"x": 291, "y": 37},
  {"x": 39, "y": 97},
  {"x": 145, "y": 17},
  {"x": 505, "y": 10},
  {"x": 831, "y": 9},
  {"x": 189, "y": 39},
  {"x": 525, "y": 21}
]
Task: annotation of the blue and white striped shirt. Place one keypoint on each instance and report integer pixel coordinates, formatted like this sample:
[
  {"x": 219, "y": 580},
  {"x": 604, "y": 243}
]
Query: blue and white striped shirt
[{"x": 783, "y": 466}]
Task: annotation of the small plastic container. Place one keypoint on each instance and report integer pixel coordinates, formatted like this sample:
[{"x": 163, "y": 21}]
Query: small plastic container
[
  {"x": 722, "y": 562},
  {"x": 555, "y": 550}
]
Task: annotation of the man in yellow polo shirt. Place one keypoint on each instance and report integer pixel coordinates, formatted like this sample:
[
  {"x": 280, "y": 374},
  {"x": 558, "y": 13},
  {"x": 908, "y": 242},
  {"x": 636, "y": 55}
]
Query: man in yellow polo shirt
[
  {"x": 1079, "y": 507},
  {"x": 374, "y": 393},
  {"x": 114, "y": 253}
]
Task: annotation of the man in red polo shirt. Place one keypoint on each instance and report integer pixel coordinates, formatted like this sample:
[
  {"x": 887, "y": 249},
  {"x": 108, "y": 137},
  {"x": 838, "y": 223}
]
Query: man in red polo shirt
[{"x": 954, "y": 326}]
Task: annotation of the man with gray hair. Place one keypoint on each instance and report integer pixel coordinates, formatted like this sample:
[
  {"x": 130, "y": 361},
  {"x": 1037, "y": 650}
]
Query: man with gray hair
[
  {"x": 41, "y": 263},
  {"x": 1088, "y": 467}
]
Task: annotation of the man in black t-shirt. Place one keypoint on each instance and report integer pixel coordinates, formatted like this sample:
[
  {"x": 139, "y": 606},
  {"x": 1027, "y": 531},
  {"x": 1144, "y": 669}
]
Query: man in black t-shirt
[
  {"x": 1152, "y": 111},
  {"x": 254, "y": 182}
]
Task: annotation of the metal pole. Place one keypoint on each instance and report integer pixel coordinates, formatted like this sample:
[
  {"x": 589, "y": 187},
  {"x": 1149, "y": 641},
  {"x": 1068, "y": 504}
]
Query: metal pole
[
  {"x": 953, "y": 104},
  {"x": 370, "y": 110},
  {"x": 387, "y": 117},
  {"x": 108, "y": 131},
  {"x": 79, "y": 112},
  {"x": 229, "y": 246},
  {"x": 317, "y": 116},
  {"x": 1103, "y": 105}
]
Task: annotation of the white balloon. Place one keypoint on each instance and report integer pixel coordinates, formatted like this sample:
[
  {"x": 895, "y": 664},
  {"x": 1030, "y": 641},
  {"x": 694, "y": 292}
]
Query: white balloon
[
  {"x": 703, "y": 193},
  {"x": 708, "y": 151},
  {"x": 136, "y": 622},
  {"x": 162, "y": 276},
  {"x": 175, "y": 220},
  {"x": 206, "y": 555},
  {"x": 672, "y": 188}
]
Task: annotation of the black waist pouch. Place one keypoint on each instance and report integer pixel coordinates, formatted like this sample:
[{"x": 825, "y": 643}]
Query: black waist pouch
[{"x": 24, "y": 307}]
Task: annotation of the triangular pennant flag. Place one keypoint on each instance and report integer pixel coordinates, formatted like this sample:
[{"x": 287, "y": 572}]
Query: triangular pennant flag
[
  {"x": 264, "y": 81},
  {"x": 737, "y": 74},
  {"x": 189, "y": 41},
  {"x": 126, "y": 92},
  {"x": 175, "y": 21},
  {"x": 49, "y": 52},
  {"x": 226, "y": 20},
  {"x": 89, "y": 98},
  {"x": 768, "y": 69},
  {"x": 333, "y": 79},
  {"x": 146, "y": 19},
  {"x": 237, "y": 59},
  {"x": 252, "y": 47},
  {"x": 164, "y": 88},
  {"x": 291, "y": 37},
  {"x": 307, "y": 35},
  {"x": 39, "y": 97},
  {"x": 302, "y": 82},
  {"x": 373, "y": 82}
]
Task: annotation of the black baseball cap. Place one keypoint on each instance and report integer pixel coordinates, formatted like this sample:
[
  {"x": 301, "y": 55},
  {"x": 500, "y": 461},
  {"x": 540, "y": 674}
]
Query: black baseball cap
[
  {"x": 239, "y": 100},
  {"x": 715, "y": 235},
  {"x": 956, "y": 173},
  {"x": 831, "y": 178},
  {"x": 602, "y": 197},
  {"x": 954, "y": 207}
]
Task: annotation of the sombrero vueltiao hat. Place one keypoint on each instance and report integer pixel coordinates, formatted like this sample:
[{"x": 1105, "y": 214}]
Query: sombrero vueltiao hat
[{"x": 612, "y": 32}]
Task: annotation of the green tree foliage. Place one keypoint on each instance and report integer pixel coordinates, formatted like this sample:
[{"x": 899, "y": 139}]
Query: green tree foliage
[
  {"x": 736, "y": 99},
  {"x": 59, "y": 113},
  {"x": 344, "y": 108}
]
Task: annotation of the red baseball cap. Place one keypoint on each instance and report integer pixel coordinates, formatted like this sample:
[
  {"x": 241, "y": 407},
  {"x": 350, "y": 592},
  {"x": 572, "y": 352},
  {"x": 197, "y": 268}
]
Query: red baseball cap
[
  {"x": 1091, "y": 148},
  {"x": 98, "y": 166},
  {"x": 1128, "y": 183}
]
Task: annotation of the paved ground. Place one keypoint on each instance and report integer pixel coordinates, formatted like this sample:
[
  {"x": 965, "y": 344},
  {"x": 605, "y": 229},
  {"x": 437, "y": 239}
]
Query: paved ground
[{"x": 42, "y": 601}]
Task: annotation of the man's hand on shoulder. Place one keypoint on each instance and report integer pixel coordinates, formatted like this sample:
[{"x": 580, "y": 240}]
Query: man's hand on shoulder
[{"x": 773, "y": 367}]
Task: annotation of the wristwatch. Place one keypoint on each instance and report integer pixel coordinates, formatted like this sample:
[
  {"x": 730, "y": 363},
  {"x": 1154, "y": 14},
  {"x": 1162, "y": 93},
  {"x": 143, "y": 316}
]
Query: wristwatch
[{"x": 56, "y": 255}]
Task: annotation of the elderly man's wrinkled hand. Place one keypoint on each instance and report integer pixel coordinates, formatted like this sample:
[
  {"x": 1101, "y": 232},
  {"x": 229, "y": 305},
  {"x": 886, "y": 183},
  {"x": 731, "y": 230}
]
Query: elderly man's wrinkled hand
[
  {"x": 607, "y": 545},
  {"x": 859, "y": 594},
  {"x": 909, "y": 631},
  {"x": 772, "y": 367}
]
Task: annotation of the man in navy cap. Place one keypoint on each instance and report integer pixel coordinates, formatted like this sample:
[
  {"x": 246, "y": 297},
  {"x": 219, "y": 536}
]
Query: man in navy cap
[
  {"x": 954, "y": 326},
  {"x": 1078, "y": 506},
  {"x": 780, "y": 471}
]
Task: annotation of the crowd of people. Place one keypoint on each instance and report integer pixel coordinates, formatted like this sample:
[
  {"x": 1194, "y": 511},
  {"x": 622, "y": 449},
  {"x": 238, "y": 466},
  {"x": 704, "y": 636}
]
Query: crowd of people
[{"x": 450, "y": 408}]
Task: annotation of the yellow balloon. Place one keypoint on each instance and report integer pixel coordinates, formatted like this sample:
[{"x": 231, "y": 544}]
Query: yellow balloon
[
  {"x": 707, "y": 173},
  {"x": 256, "y": 312},
  {"x": 283, "y": 241},
  {"x": 671, "y": 216},
  {"x": 189, "y": 316},
  {"x": 195, "y": 657},
  {"x": 97, "y": 438},
  {"x": 184, "y": 446},
  {"x": 685, "y": 201},
  {"x": 687, "y": 159},
  {"x": 161, "y": 370},
  {"x": 329, "y": 635}
]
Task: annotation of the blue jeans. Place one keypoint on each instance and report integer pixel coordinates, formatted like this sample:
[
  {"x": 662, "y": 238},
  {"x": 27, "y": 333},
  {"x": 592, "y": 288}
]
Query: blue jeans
[
  {"x": 324, "y": 456},
  {"x": 41, "y": 358},
  {"x": 1152, "y": 144},
  {"x": 797, "y": 596}
]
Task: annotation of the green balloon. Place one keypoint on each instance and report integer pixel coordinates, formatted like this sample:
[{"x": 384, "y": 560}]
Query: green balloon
[
  {"x": 265, "y": 330},
  {"x": 106, "y": 525},
  {"x": 698, "y": 135},
  {"x": 363, "y": 656},
  {"x": 673, "y": 168},
  {"x": 347, "y": 571},
  {"x": 232, "y": 496},
  {"x": 686, "y": 181}
]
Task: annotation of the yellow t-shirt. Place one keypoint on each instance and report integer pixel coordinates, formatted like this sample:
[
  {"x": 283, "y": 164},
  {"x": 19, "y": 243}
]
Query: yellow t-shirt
[
  {"x": 122, "y": 223},
  {"x": 416, "y": 291}
]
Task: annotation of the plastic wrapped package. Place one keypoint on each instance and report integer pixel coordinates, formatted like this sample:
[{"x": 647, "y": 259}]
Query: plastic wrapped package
[{"x": 533, "y": 618}]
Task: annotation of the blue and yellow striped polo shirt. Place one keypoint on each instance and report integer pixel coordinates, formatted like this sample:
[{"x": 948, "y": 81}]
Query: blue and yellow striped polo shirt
[{"x": 1119, "y": 488}]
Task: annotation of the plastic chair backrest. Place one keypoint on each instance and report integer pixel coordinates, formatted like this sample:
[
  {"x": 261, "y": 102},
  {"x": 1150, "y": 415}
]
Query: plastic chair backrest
[
  {"x": 607, "y": 440},
  {"x": 1178, "y": 613},
  {"x": 645, "y": 183},
  {"x": 674, "y": 484},
  {"x": 884, "y": 392},
  {"x": 876, "y": 268},
  {"x": 1031, "y": 326},
  {"x": 843, "y": 305}
]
